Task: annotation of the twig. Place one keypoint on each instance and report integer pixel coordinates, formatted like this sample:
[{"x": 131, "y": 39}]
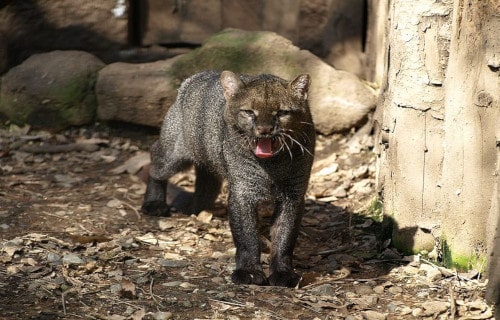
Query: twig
[
  {"x": 137, "y": 213},
  {"x": 453, "y": 307},
  {"x": 63, "y": 298},
  {"x": 236, "y": 304},
  {"x": 60, "y": 148},
  {"x": 152, "y": 294},
  {"x": 345, "y": 272}
]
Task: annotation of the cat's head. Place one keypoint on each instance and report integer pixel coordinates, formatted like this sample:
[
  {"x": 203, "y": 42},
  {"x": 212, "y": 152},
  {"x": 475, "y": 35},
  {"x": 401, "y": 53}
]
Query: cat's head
[{"x": 269, "y": 113}]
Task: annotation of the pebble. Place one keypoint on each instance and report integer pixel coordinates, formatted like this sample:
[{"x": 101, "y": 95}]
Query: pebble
[
  {"x": 114, "y": 203},
  {"x": 71, "y": 258},
  {"x": 391, "y": 307},
  {"x": 116, "y": 287},
  {"x": 187, "y": 285},
  {"x": 53, "y": 258},
  {"x": 416, "y": 312},
  {"x": 432, "y": 273},
  {"x": 405, "y": 311},
  {"x": 378, "y": 289},
  {"x": 218, "y": 280},
  {"x": 172, "y": 263},
  {"x": 435, "y": 307},
  {"x": 160, "y": 315},
  {"x": 324, "y": 289},
  {"x": 395, "y": 290},
  {"x": 167, "y": 224},
  {"x": 204, "y": 216},
  {"x": 363, "y": 289},
  {"x": 210, "y": 237},
  {"x": 373, "y": 315}
]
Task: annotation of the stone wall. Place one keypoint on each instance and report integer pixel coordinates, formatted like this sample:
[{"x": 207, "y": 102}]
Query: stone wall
[{"x": 331, "y": 29}]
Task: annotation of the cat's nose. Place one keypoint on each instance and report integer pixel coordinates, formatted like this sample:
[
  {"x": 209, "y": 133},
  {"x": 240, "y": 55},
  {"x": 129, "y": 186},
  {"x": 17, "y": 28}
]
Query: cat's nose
[{"x": 264, "y": 129}]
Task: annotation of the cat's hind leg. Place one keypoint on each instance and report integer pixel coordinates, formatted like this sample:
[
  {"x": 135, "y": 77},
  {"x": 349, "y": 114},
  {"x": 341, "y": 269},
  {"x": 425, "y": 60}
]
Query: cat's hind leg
[
  {"x": 163, "y": 166},
  {"x": 207, "y": 188},
  {"x": 155, "y": 198}
]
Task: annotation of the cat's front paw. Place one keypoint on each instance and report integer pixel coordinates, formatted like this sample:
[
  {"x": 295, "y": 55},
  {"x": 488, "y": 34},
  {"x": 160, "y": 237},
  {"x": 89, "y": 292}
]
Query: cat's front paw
[
  {"x": 249, "y": 277},
  {"x": 284, "y": 279},
  {"x": 155, "y": 208}
]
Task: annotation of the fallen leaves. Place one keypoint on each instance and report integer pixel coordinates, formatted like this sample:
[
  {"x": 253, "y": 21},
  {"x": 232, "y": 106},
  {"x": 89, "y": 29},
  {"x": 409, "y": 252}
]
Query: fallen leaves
[{"x": 73, "y": 241}]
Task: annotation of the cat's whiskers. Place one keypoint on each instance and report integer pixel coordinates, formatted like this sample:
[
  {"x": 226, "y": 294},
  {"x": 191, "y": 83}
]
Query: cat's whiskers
[
  {"x": 308, "y": 123},
  {"x": 302, "y": 133},
  {"x": 284, "y": 143},
  {"x": 297, "y": 142}
]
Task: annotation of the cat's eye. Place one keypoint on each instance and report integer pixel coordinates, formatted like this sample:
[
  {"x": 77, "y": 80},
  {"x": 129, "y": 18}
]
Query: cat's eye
[
  {"x": 247, "y": 113},
  {"x": 283, "y": 113}
]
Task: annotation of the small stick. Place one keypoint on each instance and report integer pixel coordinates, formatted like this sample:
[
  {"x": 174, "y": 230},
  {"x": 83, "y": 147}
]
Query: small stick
[{"x": 61, "y": 148}]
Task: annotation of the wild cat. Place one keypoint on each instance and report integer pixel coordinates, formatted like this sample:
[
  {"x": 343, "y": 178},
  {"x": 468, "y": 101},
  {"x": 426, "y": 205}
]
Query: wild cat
[{"x": 255, "y": 131}]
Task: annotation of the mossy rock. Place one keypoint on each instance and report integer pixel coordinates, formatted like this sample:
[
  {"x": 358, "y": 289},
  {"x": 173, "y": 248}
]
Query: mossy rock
[
  {"x": 51, "y": 90},
  {"x": 338, "y": 99}
]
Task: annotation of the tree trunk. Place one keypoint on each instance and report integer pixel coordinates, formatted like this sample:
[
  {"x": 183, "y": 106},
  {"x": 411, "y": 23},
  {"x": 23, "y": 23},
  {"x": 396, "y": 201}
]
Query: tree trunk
[{"x": 438, "y": 128}]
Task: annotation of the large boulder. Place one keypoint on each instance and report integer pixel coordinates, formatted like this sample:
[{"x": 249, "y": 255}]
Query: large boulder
[
  {"x": 139, "y": 93},
  {"x": 136, "y": 93},
  {"x": 51, "y": 90}
]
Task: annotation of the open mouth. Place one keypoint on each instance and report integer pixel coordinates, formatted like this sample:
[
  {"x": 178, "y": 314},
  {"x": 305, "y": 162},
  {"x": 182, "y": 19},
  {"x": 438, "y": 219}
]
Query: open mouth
[{"x": 264, "y": 148}]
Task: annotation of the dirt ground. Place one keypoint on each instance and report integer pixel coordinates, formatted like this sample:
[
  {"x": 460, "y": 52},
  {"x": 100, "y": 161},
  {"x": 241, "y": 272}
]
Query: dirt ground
[{"x": 73, "y": 244}]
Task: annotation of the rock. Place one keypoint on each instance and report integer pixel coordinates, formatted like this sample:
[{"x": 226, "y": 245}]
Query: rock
[
  {"x": 362, "y": 289},
  {"x": 172, "y": 263},
  {"x": 324, "y": 289},
  {"x": 395, "y": 290},
  {"x": 53, "y": 258},
  {"x": 51, "y": 90},
  {"x": 72, "y": 259},
  {"x": 417, "y": 312},
  {"x": 432, "y": 273},
  {"x": 162, "y": 315},
  {"x": 42, "y": 26},
  {"x": 204, "y": 216},
  {"x": 141, "y": 93},
  {"x": 136, "y": 93},
  {"x": 434, "y": 307},
  {"x": 378, "y": 289},
  {"x": 373, "y": 315},
  {"x": 338, "y": 99}
]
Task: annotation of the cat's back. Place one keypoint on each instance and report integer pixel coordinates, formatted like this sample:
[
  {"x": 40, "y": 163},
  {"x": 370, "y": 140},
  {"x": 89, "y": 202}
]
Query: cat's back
[
  {"x": 201, "y": 90},
  {"x": 195, "y": 120}
]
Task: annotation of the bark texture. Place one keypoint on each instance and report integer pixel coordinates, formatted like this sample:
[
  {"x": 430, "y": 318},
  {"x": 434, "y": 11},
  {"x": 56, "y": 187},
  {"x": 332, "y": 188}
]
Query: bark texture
[{"x": 438, "y": 130}]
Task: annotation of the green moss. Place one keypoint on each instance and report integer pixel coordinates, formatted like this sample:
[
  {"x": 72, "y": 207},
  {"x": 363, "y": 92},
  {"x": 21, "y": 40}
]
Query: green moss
[
  {"x": 237, "y": 59},
  {"x": 375, "y": 210},
  {"x": 9, "y": 106},
  {"x": 462, "y": 262},
  {"x": 75, "y": 102},
  {"x": 71, "y": 104},
  {"x": 231, "y": 38}
]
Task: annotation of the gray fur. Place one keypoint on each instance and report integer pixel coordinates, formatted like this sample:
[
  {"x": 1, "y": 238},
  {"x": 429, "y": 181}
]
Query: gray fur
[{"x": 206, "y": 128}]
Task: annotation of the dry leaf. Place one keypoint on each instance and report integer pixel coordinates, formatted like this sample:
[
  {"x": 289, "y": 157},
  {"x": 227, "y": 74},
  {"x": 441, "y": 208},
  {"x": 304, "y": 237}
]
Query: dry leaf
[
  {"x": 134, "y": 164},
  {"x": 204, "y": 216},
  {"x": 128, "y": 289}
]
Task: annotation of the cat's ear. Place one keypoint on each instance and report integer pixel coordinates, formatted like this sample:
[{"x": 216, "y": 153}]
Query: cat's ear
[
  {"x": 300, "y": 86},
  {"x": 231, "y": 84}
]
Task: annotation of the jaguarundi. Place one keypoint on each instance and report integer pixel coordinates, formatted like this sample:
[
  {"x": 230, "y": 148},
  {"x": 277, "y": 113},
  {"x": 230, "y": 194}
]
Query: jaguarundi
[{"x": 255, "y": 131}]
